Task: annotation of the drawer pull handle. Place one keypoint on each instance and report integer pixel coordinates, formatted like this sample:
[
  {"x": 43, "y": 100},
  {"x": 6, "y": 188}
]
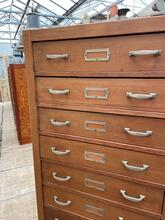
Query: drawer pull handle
[
  {"x": 59, "y": 153},
  {"x": 58, "y": 92},
  {"x": 57, "y": 56},
  {"x": 134, "y": 168},
  {"x": 138, "y": 133},
  {"x": 68, "y": 202},
  {"x": 88, "y": 90},
  {"x": 61, "y": 179},
  {"x": 95, "y": 126},
  {"x": 130, "y": 198},
  {"x": 59, "y": 123},
  {"x": 94, "y": 184},
  {"x": 94, "y": 210},
  {"x": 96, "y": 51},
  {"x": 141, "y": 96},
  {"x": 145, "y": 52},
  {"x": 120, "y": 218}
]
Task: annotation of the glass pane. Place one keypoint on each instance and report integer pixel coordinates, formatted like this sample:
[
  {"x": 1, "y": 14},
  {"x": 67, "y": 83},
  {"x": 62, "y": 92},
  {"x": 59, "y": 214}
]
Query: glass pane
[{"x": 64, "y": 4}]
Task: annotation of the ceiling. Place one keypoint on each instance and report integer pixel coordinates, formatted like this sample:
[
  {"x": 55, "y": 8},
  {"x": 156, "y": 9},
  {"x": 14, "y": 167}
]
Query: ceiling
[{"x": 55, "y": 12}]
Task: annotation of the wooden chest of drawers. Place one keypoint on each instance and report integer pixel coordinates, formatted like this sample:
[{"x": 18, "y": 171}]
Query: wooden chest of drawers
[
  {"x": 97, "y": 102},
  {"x": 19, "y": 98}
]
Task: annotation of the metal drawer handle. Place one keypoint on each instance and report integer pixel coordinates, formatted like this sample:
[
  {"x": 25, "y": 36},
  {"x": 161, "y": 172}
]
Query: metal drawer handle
[
  {"x": 134, "y": 168},
  {"x": 141, "y": 96},
  {"x": 144, "y": 52},
  {"x": 59, "y": 123},
  {"x": 94, "y": 210},
  {"x": 120, "y": 218},
  {"x": 130, "y": 198},
  {"x": 59, "y": 153},
  {"x": 57, "y": 56},
  {"x": 68, "y": 202},
  {"x": 103, "y": 58},
  {"x": 61, "y": 179},
  {"x": 138, "y": 133},
  {"x": 102, "y": 126},
  {"x": 59, "y": 92},
  {"x": 104, "y": 90}
]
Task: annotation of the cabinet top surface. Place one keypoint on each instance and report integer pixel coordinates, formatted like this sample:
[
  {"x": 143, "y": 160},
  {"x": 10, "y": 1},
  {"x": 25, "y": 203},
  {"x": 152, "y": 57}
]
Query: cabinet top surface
[{"x": 112, "y": 28}]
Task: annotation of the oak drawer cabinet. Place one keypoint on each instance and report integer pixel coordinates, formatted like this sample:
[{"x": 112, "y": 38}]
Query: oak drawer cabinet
[{"x": 97, "y": 107}]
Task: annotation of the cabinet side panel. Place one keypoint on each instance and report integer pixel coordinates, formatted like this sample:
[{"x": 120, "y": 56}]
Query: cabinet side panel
[{"x": 34, "y": 121}]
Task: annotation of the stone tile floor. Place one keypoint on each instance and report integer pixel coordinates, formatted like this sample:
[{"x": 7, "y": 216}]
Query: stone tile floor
[{"x": 17, "y": 190}]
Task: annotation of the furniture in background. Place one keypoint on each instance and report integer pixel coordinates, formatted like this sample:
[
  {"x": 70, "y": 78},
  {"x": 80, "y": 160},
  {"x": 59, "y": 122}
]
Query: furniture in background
[
  {"x": 4, "y": 83},
  {"x": 97, "y": 103},
  {"x": 19, "y": 97}
]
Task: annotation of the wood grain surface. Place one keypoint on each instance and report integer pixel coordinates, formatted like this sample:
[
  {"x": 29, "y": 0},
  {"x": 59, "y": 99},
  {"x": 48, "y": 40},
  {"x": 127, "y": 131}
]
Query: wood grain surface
[
  {"x": 79, "y": 203},
  {"x": 119, "y": 62},
  {"x": 34, "y": 123},
  {"x": 121, "y": 27},
  {"x": 105, "y": 127},
  {"x": 93, "y": 127},
  {"x": 105, "y": 188},
  {"x": 105, "y": 94},
  {"x": 55, "y": 214},
  {"x": 18, "y": 86},
  {"x": 104, "y": 158}
]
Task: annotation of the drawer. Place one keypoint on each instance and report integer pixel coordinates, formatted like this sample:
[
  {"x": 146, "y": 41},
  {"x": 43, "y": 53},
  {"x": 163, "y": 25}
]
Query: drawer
[
  {"x": 133, "y": 164},
  {"x": 57, "y": 214},
  {"x": 125, "y": 55},
  {"x": 139, "y": 131},
  {"x": 148, "y": 94},
  {"x": 108, "y": 188},
  {"x": 87, "y": 206}
]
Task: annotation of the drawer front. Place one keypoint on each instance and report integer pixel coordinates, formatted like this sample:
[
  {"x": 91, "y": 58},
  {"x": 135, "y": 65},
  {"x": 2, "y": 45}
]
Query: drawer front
[
  {"x": 126, "y": 54},
  {"x": 133, "y": 164},
  {"x": 86, "y": 206},
  {"x": 57, "y": 214},
  {"x": 139, "y": 131},
  {"x": 110, "y": 93},
  {"x": 112, "y": 189}
]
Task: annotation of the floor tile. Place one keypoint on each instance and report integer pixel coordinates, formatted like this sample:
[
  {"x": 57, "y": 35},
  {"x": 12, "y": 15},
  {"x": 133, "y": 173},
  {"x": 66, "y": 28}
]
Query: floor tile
[{"x": 17, "y": 188}]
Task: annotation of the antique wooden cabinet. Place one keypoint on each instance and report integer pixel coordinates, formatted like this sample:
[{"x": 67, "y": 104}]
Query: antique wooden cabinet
[
  {"x": 97, "y": 103},
  {"x": 19, "y": 98}
]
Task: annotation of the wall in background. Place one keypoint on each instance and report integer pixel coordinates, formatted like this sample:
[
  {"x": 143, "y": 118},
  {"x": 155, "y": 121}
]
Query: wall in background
[{"x": 5, "y": 49}]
